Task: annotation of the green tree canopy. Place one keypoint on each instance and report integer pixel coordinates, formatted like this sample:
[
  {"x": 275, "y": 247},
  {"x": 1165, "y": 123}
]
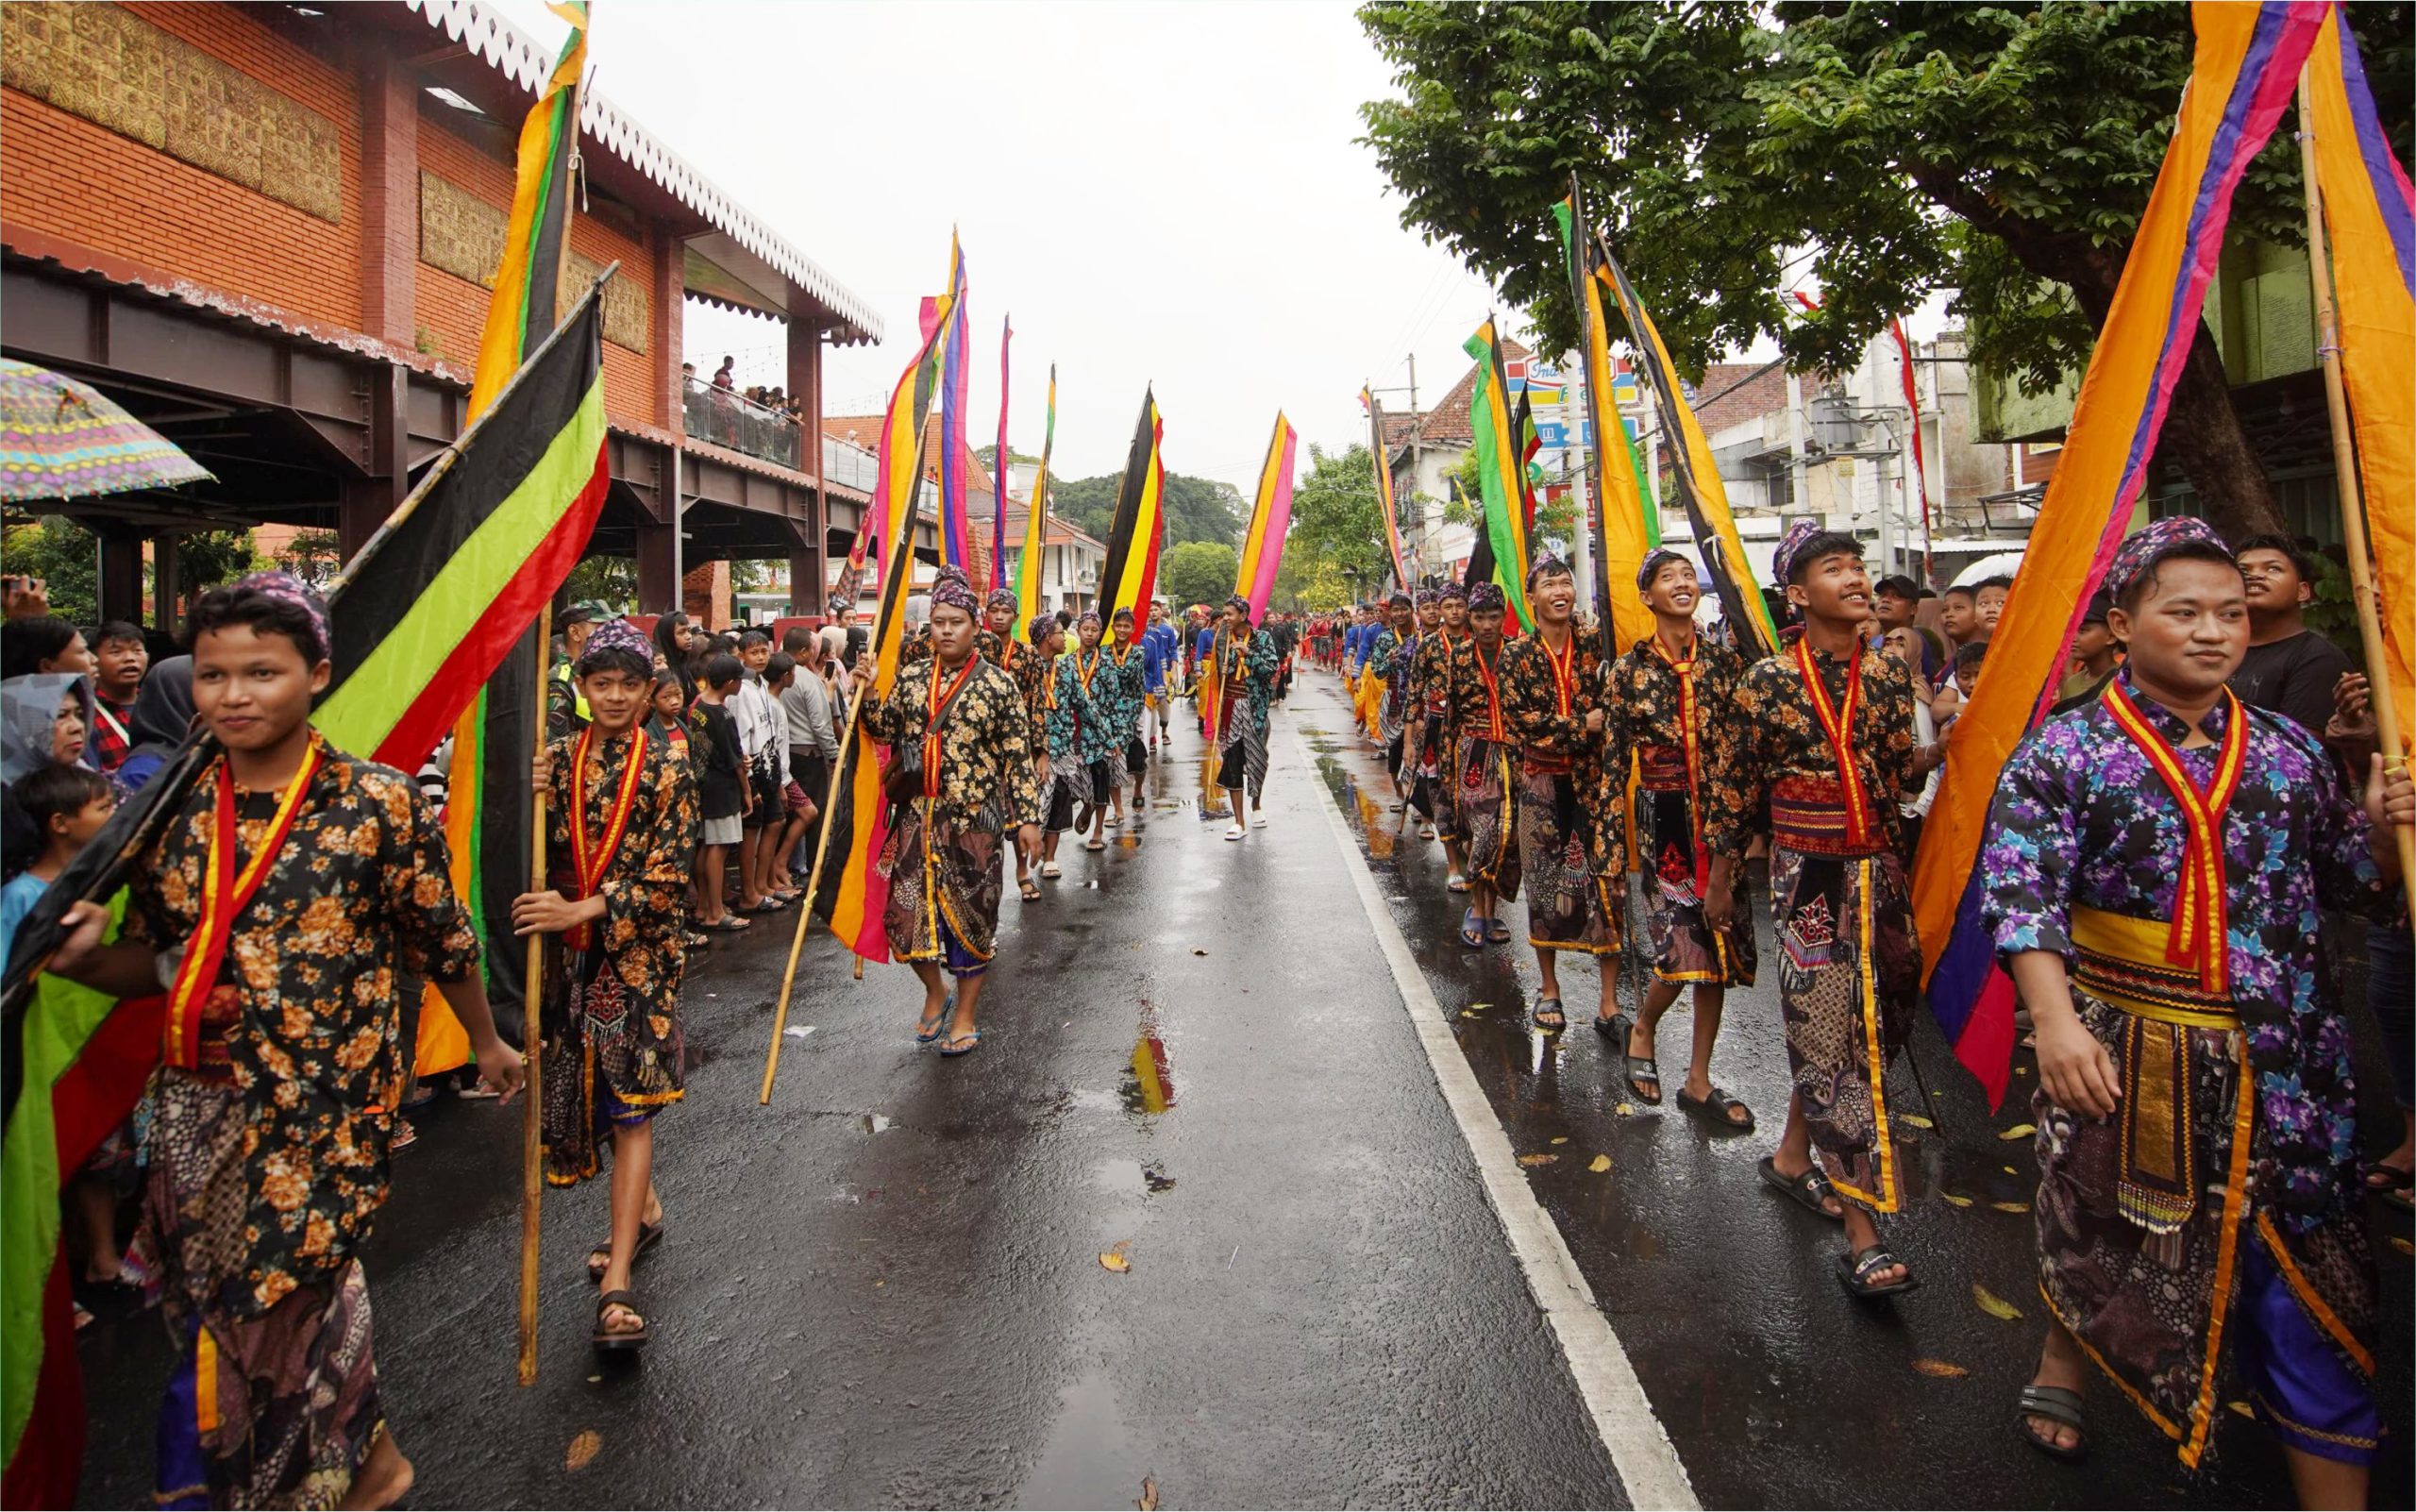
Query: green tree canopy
[
  {"x": 1732, "y": 148},
  {"x": 68, "y": 556},
  {"x": 1197, "y": 508},
  {"x": 1337, "y": 519},
  {"x": 1199, "y": 572}
]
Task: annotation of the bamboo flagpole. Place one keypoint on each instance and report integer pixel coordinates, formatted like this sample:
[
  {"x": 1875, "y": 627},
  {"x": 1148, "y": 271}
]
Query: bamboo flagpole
[
  {"x": 2344, "y": 463},
  {"x": 532, "y": 1114},
  {"x": 805, "y": 903}
]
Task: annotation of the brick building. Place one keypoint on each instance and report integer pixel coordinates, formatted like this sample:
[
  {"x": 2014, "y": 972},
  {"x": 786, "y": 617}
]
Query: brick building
[{"x": 269, "y": 232}]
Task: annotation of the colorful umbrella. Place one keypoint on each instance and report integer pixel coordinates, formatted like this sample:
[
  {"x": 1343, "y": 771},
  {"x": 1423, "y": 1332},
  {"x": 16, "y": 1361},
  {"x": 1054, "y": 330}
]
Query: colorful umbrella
[{"x": 61, "y": 439}]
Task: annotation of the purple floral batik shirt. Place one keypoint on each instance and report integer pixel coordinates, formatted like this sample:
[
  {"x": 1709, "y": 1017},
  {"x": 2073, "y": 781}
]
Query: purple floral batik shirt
[{"x": 2081, "y": 818}]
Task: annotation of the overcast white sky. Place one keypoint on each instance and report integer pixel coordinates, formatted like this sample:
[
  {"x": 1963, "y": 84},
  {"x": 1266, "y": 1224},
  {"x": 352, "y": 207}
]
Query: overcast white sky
[{"x": 1157, "y": 192}]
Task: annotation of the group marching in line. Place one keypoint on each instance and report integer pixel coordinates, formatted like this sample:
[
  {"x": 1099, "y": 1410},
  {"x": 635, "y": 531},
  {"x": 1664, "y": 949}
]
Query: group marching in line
[{"x": 2154, "y": 876}]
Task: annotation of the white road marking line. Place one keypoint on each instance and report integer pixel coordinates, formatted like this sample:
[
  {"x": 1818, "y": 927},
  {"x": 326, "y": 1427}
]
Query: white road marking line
[{"x": 1639, "y": 1447}]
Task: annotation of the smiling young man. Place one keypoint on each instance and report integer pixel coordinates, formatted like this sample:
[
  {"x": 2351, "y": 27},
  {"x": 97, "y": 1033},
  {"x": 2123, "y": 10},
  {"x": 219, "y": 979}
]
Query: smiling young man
[
  {"x": 958, "y": 735},
  {"x": 2153, "y": 866},
  {"x": 2287, "y": 668},
  {"x": 623, "y": 806},
  {"x": 1244, "y": 661},
  {"x": 1666, "y": 696},
  {"x": 1572, "y": 850},
  {"x": 282, "y": 1066},
  {"x": 1822, "y": 732}
]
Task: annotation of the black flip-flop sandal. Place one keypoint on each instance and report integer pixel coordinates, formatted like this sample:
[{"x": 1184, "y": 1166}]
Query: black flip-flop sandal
[
  {"x": 1498, "y": 932},
  {"x": 727, "y": 926},
  {"x": 626, "y": 1338},
  {"x": 1808, "y": 1189},
  {"x": 2057, "y": 1404},
  {"x": 1551, "y": 1007},
  {"x": 1854, "y": 1273},
  {"x": 649, "y": 1235},
  {"x": 1471, "y": 930},
  {"x": 1714, "y": 1110},
  {"x": 1641, "y": 1070},
  {"x": 2393, "y": 1187},
  {"x": 1613, "y": 1027}
]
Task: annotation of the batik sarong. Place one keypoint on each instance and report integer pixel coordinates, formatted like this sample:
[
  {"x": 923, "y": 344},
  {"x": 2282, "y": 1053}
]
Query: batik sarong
[
  {"x": 610, "y": 1060},
  {"x": 1241, "y": 747},
  {"x": 1685, "y": 948},
  {"x": 1487, "y": 791},
  {"x": 1570, "y": 905},
  {"x": 945, "y": 883}
]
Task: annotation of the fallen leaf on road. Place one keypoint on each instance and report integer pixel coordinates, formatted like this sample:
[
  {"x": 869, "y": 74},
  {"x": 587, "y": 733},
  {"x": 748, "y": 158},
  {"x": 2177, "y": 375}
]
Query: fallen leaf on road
[
  {"x": 1959, "y": 1202},
  {"x": 1602, "y": 1164},
  {"x": 2402, "y": 1245},
  {"x": 801, "y": 1031},
  {"x": 1149, "y": 1502},
  {"x": 1992, "y": 1305},
  {"x": 2242, "y": 1408},
  {"x": 1562, "y": 1140},
  {"x": 1916, "y": 1120},
  {"x": 1536, "y": 1160},
  {"x": 1626, "y": 1110},
  {"x": 1196, "y": 950},
  {"x": 1479, "y": 1007},
  {"x": 582, "y": 1449},
  {"x": 1113, "y": 1259},
  {"x": 1470, "y": 1012},
  {"x": 1941, "y": 1368},
  {"x": 2021, "y": 1070},
  {"x": 2010, "y": 1207},
  {"x": 2020, "y": 1130},
  {"x": 2010, "y": 1171}
]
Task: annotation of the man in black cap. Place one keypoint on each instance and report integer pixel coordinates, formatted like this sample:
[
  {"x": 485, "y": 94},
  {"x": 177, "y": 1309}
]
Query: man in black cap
[
  {"x": 2095, "y": 655},
  {"x": 565, "y": 706}
]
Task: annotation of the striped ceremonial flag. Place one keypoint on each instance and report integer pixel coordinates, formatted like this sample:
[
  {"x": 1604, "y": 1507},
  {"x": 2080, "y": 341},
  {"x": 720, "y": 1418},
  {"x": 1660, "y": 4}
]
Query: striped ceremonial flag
[
  {"x": 999, "y": 463},
  {"x": 1035, "y": 528},
  {"x": 2370, "y": 222},
  {"x": 1501, "y": 472},
  {"x": 2241, "y": 80},
  {"x": 1621, "y": 538},
  {"x": 1132, "y": 538},
  {"x": 1700, "y": 491},
  {"x": 1383, "y": 462},
  {"x": 944, "y": 316},
  {"x": 862, "y": 894},
  {"x": 1270, "y": 518}
]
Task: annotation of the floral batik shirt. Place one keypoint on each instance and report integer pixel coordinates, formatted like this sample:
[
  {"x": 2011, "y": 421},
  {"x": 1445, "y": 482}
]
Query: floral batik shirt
[
  {"x": 1768, "y": 732},
  {"x": 1031, "y": 671},
  {"x": 359, "y": 899},
  {"x": 646, "y": 887},
  {"x": 986, "y": 776},
  {"x": 2081, "y": 818},
  {"x": 1641, "y": 693}
]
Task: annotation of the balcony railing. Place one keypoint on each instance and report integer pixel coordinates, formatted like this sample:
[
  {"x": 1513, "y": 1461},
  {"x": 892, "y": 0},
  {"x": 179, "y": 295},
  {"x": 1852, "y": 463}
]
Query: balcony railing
[{"x": 728, "y": 418}]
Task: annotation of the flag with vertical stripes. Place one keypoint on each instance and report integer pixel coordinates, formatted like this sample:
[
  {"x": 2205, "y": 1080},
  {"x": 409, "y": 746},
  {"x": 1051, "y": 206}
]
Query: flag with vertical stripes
[
  {"x": 1036, "y": 525},
  {"x": 944, "y": 316},
  {"x": 1000, "y": 464},
  {"x": 862, "y": 894},
  {"x": 2246, "y": 64},
  {"x": 1133, "y": 536},
  {"x": 1383, "y": 455},
  {"x": 1700, "y": 491},
  {"x": 1270, "y": 517},
  {"x": 1501, "y": 470}
]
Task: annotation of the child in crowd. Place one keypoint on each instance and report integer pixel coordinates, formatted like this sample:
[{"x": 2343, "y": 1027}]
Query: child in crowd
[
  {"x": 721, "y": 781},
  {"x": 122, "y": 659},
  {"x": 797, "y": 807}
]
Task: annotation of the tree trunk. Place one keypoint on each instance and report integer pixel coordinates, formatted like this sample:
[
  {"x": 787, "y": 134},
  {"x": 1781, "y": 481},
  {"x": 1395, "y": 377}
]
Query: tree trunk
[{"x": 2204, "y": 437}]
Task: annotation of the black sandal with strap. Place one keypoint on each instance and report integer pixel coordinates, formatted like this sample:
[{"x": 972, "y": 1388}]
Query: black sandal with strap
[
  {"x": 625, "y": 1338},
  {"x": 1854, "y": 1273},
  {"x": 599, "y": 1257},
  {"x": 1715, "y": 1109},
  {"x": 2057, "y": 1404},
  {"x": 1549, "y": 1006},
  {"x": 1808, "y": 1188},
  {"x": 1641, "y": 1070}
]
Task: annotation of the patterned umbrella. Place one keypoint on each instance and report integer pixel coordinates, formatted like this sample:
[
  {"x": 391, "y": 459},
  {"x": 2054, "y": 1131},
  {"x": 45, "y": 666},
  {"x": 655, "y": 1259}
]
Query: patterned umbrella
[{"x": 61, "y": 439}]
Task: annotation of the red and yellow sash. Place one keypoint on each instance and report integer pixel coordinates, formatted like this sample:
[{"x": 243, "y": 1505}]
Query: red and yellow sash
[
  {"x": 1564, "y": 670},
  {"x": 1837, "y": 725},
  {"x": 225, "y": 894},
  {"x": 589, "y": 858},
  {"x": 2197, "y": 937},
  {"x": 1684, "y": 672},
  {"x": 935, "y": 701},
  {"x": 1493, "y": 731}
]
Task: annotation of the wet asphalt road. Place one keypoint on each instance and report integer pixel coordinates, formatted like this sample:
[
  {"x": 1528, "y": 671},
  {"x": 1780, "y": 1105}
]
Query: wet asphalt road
[
  {"x": 885, "y": 1290},
  {"x": 1776, "y": 1388}
]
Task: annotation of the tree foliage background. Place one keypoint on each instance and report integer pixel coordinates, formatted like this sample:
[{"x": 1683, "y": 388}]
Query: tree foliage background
[
  {"x": 1199, "y": 572},
  {"x": 1197, "y": 508},
  {"x": 1734, "y": 150},
  {"x": 67, "y": 556}
]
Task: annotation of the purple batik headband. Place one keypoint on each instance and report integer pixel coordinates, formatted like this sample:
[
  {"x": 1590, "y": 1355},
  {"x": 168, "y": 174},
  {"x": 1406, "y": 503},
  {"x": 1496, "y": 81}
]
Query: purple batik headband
[
  {"x": 290, "y": 589},
  {"x": 1782, "y": 563},
  {"x": 2139, "y": 553},
  {"x": 955, "y": 591},
  {"x": 1485, "y": 596},
  {"x": 1654, "y": 561},
  {"x": 616, "y": 636}
]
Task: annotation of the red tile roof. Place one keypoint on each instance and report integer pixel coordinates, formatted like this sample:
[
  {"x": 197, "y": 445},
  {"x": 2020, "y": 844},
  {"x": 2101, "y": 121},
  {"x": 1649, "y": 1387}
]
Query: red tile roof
[
  {"x": 1739, "y": 392},
  {"x": 1447, "y": 423}
]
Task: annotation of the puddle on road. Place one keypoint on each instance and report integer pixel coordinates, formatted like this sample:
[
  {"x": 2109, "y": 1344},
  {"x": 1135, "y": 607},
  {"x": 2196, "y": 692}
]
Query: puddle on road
[
  {"x": 1089, "y": 1460},
  {"x": 1132, "y": 1175},
  {"x": 1149, "y": 1082}
]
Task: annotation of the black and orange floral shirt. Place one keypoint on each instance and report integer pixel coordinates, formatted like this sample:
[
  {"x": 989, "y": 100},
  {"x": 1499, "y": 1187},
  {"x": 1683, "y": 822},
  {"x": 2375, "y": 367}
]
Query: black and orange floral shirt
[
  {"x": 1642, "y": 694},
  {"x": 359, "y": 901},
  {"x": 646, "y": 887},
  {"x": 1531, "y": 702},
  {"x": 986, "y": 781},
  {"x": 1472, "y": 707},
  {"x": 1031, "y": 671},
  {"x": 1769, "y": 733}
]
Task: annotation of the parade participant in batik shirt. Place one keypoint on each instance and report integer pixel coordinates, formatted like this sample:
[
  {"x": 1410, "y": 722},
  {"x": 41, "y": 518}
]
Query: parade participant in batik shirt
[
  {"x": 119, "y": 653},
  {"x": 1245, "y": 663},
  {"x": 1572, "y": 850},
  {"x": 622, "y": 809},
  {"x": 1432, "y": 739},
  {"x": 1389, "y": 663},
  {"x": 1030, "y": 666},
  {"x": 303, "y": 887},
  {"x": 1131, "y": 666},
  {"x": 964, "y": 782},
  {"x": 1485, "y": 789},
  {"x": 1410, "y": 692},
  {"x": 2157, "y": 867},
  {"x": 1663, "y": 696},
  {"x": 1078, "y": 742},
  {"x": 1824, "y": 734}
]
